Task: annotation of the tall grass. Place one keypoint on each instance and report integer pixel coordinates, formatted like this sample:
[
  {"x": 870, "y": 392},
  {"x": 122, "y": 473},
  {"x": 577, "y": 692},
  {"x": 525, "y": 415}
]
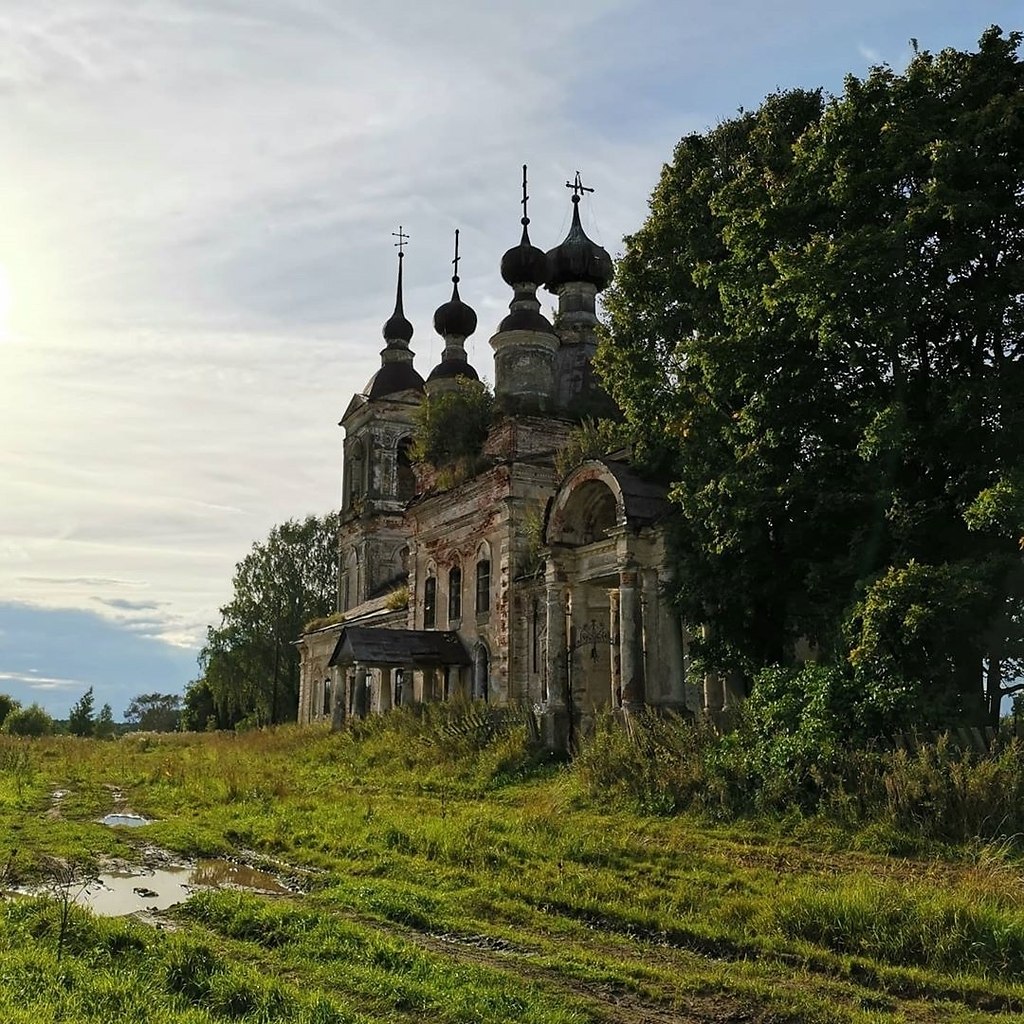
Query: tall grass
[
  {"x": 664, "y": 765},
  {"x": 449, "y": 870}
]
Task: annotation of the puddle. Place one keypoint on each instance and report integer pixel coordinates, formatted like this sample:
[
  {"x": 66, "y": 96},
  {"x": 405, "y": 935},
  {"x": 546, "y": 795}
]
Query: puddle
[
  {"x": 130, "y": 820},
  {"x": 135, "y": 890}
]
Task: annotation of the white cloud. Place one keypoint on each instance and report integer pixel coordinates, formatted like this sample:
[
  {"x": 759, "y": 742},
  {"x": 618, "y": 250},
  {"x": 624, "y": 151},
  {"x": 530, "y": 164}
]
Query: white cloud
[{"x": 34, "y": 681}]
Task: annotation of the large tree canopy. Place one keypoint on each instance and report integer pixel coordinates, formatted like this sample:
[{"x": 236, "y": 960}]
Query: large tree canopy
[
  {"x": 249, "y": 663},
  {"x": 827, "y": 306}
]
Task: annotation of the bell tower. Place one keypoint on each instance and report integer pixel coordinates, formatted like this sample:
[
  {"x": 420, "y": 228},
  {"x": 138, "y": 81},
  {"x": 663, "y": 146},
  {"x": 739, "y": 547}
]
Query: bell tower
[{"x": 377, "y": 477}]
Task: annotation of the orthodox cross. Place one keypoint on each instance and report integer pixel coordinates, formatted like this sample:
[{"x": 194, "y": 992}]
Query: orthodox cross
[
  {"x": 577, "y": 187},
  {"x": 455, "y": 262},
  {"x": 526, "y": 219},
  {"x": 403, "y": 239}
]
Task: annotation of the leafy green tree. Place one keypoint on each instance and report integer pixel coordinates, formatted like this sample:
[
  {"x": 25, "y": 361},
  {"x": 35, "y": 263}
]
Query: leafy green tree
[
  {"x": 81, "y": 718},
  {"x": 818, "y": 336},
  {"x": 7, "y": 705},
  {"x": 199, "y": 712},
  {"x": 154, "y": 712},
  {"x": 105, "y": 727},
  {"x": 249, "y": 662},
  {"x": 30, "y": 721}
]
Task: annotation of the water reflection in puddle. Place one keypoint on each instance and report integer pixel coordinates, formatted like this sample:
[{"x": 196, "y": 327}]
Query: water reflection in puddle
[
  {"x": 131, "y": 820},
  {"x": 138, "y": 889}
]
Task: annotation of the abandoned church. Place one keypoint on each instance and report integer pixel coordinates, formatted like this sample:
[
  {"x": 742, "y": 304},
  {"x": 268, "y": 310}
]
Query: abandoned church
[{"x": 516, "y": 582}]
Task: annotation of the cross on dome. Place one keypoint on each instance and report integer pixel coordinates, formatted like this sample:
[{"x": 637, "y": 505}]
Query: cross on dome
[
  {"x": 577, "y": 187},
  {"x": 455, "y": 262}
]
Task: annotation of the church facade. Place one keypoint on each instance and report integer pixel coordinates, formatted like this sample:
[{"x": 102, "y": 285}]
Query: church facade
[{"x": 522, "y": 583}]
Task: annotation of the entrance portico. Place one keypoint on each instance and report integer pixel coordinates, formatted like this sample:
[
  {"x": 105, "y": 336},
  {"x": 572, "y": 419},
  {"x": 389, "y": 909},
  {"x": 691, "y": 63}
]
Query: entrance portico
[{"x": 613, "y": 638}]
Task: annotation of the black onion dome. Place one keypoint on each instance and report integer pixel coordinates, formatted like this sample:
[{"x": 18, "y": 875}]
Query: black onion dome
[
  {"x": 453, "y": 368},
  {"x": 392, "y": 378},
  {"x": 524, "y": 263},
  {"x": 578, "y": 258},
  {"x": 397, "y": 328},
  {"x": 455, "y": 318}
]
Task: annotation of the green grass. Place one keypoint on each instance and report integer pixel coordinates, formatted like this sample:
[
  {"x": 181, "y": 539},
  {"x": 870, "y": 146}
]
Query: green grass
[{"x": 458, "y": 879}]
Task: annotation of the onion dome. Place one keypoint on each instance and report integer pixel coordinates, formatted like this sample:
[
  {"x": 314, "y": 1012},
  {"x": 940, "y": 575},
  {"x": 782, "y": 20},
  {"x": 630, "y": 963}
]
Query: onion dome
[
  {"x": 578, "y": 258},
  {"x": 397, "y": 329},
  {"x": 524, "y": 268},
  {"x": 455, "y": 319},
  {"x": 524, "y": 263},
  {"x": 396, "y": 372}
]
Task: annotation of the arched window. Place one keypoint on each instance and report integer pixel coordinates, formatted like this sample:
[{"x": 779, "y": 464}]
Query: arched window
[
  {"x": 327, "y": 697},
  {"x": 430, "y": 602},
  {"x": 356, "y": 472},
  {"x": 483, "y": 580},
  {"x": 351, "y": 581},
  {"x": 406, "y": 477},
  {"x": 454, "y": 594}
]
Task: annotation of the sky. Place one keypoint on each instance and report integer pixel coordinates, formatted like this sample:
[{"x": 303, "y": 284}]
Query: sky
[{"x": 196, "y": 206}]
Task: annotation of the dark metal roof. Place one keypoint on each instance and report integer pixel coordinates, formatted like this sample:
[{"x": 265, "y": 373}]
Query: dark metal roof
[
  {"x": 578, "y": 258},
  {"x": 455, "y": 319},
  {"x": 646, "y": 501},
  {"x": 392, "y": 378},
  {"x": 526, "y": 320},
  {"x": 453, "y": 368},
  {"x": 417, "y": 647}
]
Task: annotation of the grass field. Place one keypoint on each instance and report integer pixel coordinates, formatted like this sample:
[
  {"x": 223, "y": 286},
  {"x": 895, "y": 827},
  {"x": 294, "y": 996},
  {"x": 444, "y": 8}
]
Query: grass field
[{"x": 447, "y": 879}]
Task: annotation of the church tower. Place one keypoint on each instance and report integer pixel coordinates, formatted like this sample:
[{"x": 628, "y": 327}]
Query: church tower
[
  {"x": 525, "y": 343},
  {"x": 576, "y": 271},
  {"x": 377, "y": 478}
]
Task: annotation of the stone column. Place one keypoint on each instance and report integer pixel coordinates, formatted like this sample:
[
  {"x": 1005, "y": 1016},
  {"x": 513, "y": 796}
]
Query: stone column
[
  {"x": 338, "y": 698},
  {"x": 385, "y": 697},
  {"x": 655, "y": 669},
  {"x": 360, "y": 707},
  {"x": 631, "y": 660},
  {"x": 714, "y": 692},
  {"x": 671, "y": 629},
  {"x": 304, "y": 716},
  {"x": 576, "y": 681},
  {"x": 732, "y": 691},
  {"x": 556, "y": 655},
  {"x": 613, "y": 635}
]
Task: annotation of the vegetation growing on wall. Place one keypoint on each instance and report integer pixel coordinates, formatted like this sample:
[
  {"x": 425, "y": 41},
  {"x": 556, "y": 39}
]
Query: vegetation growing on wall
[
  {"x": 452, "y": 426},
  {"x": 591, "y": 439}
]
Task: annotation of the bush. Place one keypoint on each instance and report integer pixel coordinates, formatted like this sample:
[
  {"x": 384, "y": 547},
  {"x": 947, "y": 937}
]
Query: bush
[
  {"x": 30, "y": 721},
  {"x": 452, "y": 426},
  {"x": 7, "y": 705}
]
